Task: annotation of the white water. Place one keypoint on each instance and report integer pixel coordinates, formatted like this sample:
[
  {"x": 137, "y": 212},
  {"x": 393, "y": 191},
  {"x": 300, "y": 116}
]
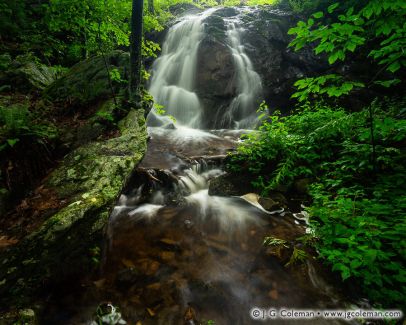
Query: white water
[
  {"x": 174, "y": 72},
  {"x": 174, "y": 75},
  {"x": 242, "y": 110}
]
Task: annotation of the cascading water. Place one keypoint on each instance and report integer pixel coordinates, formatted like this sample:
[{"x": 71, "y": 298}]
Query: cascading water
[
  {"x": 174, "y": 72},
  {"x": 174, "y": 77},
  {"x": 174, "y": 249},
  {"x": 242, "y": 109}
]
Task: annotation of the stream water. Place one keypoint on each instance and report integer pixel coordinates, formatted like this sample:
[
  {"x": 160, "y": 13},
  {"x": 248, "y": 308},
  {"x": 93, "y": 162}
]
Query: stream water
[{"x": 175, "y": 253}]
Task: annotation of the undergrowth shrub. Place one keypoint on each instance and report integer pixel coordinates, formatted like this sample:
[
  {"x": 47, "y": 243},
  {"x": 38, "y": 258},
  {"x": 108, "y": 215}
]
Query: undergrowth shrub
[
  {"x": 358, "y": 211},
  {"x": 16, "y": 122}
]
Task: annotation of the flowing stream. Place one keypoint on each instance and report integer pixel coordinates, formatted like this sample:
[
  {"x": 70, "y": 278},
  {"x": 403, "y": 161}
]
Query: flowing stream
[{"x": 177, "y": 254}]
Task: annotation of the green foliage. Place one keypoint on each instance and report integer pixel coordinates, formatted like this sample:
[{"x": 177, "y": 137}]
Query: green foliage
[
  {"x": 5, "y": 61},
  {"x": 300, "y": 6},
  {"x": 89, "y": 23},
  {"x": 273, "y": 241},
  {"x": 375, "y": 29},
  {"x": 64, "y": 32},
  {"x": 332, "y": 85},
  {"x": 359, "y": 207},
  {"x": 115, "y": 76},
  {"x": 248, "y": 2},
  {"x": 17, "y": 122},
  {"x": 361, "y": 233},
  {"x": 158, "y": 108},
  {"x": 285, "y": 142},
  {"x": 298, "y": 256},
  {"x": 95, "y": 255}
]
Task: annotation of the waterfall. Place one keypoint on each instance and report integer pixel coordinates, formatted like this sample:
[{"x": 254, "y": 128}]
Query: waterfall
[
  {"x": 242, "y": 110},
  {"x": 173, "y": 80},
  {"x": 174, "y": 72}
]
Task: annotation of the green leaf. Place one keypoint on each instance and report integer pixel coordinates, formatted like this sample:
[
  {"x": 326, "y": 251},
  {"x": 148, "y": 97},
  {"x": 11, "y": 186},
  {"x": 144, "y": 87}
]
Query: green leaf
[
  {"x": 387, "y": 83},
  {"x": 12, "y": 142},
  {"x": 318, "y": 15},
  {"x": 355, "y": 264},
  {"x": 395, "y": 66},
  {"x": 332, "y": 7}
]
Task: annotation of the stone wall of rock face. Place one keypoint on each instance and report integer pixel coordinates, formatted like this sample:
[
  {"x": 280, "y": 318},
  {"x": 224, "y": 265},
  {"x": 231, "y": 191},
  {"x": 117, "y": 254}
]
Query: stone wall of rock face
[{"x": 266, "y": 40}]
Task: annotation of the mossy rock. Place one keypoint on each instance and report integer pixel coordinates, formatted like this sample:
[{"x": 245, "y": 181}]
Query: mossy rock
[
  {"x": 89, "y": 180},
  {"x": 25, "y": 74},
  {"x": 88, "y": 81}
]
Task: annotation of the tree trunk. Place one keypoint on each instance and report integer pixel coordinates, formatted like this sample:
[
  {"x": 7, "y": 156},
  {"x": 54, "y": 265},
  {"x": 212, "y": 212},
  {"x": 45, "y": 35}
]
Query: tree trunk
[
  {"x": 151, "y": 8},
  {"x": 135, "y": 49}
]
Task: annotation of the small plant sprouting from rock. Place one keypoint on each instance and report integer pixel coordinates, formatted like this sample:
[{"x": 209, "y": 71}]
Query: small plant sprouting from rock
[
  {"x": 298, "y": 256},
  {"x": 273, "y": 241},
  {"x": 95, "y": 255}
]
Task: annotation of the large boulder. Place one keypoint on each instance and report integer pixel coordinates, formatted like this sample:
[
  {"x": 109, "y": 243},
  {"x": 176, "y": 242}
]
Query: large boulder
[
  {"x": 266, "y": 43},
  {"x": 25, "y": 74},
  {"x": 88, "y": 182},
  {"x": 88, "y": 81},
  {"x": 218, "y": 69},
  {"x": 264, "y": 36}
]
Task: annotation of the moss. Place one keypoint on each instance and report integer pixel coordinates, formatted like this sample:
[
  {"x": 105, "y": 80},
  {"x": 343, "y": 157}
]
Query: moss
[
  {"x": 24, "y": 74},
  {"x": 89, "y": 179},
  {"x": 87, "y": 81}
]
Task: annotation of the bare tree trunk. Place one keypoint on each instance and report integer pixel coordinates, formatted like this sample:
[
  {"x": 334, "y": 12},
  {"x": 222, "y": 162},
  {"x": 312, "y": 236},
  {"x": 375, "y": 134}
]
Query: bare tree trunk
[
  {"x": 135, "y": 49},
  {"x": 151, "y": 8}
]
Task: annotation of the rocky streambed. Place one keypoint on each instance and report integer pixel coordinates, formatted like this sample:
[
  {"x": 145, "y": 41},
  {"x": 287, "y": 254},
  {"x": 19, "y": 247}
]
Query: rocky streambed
[{"x": 175, "y": 254}]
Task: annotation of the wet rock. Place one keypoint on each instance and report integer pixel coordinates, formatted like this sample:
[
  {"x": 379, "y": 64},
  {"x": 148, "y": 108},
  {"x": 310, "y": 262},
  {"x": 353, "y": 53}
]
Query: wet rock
[
  {"x": 280, "y": 252},
  {"x": 180, "y": 9},
  {"x": 89, "y": 179},
  {"x": 227, "y": 12},
  {"x": 273, "y": 294},
  {"x": 215, "y": 68},
  {"x": 301, "y": 185},
  {"x": 148, "y": 267},
  {"x": 152, "y": 294},
  {"x": 278, "y": 198},
  {"x": 167, "y": 256},
  {"x": 269, "y": 204},
  {"x": 128, "y": 277},
  {"x": 169, "y": 244},
  {"x": 264, "y": 36},
  {"x": 229, "y": 185},
  {"x": 190, "y": 316}
]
